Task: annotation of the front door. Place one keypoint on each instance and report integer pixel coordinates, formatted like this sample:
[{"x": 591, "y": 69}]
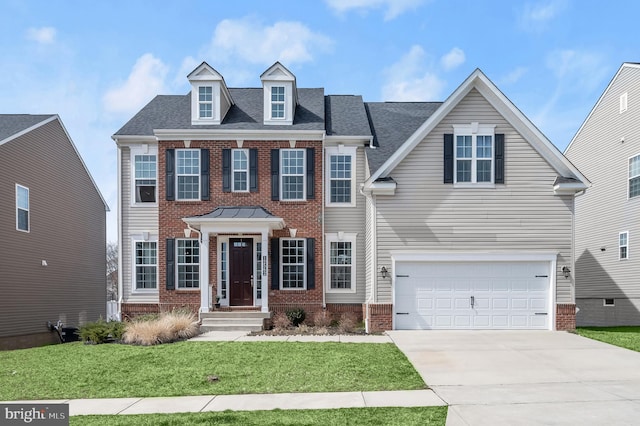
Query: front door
[{"x": 241, "y": 276}]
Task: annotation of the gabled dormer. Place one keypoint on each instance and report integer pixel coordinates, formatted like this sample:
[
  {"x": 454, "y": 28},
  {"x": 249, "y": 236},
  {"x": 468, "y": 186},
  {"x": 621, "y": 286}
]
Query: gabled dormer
[
  {"x": 210, "y": 97},
  {"x": 280, "y": 95}
]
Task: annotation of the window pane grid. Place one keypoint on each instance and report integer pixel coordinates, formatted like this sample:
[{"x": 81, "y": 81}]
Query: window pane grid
[
  {"x": 340, "y": 179},
  {"x": 293, "y": 253},
  {"x": 240, "y": 170},
  {"x": 277, "y": 102},
  {"x": 474, "y": 158},
  {"x": 188, "y": 264},
  {"x": 258, "y": 270},
  {"x": 634, "y": 176},
  {"x": 205, "y": 101},
  {"x": 340, "y": 259},
  {"x": 293, "y": 174},
  {"x": 145, "y": 178},
  {"x": 223, "y": 270},
  {"x": 146, "y": 265},
  {"x": 188, "y": 171},
  {"x": 22, "y": 208}
]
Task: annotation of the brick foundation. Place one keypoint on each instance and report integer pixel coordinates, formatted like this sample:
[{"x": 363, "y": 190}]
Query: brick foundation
[
  {"x": 132, "y": 310},
  {"x": 566, "y": 317},
  {"x": 379, "y": 317},
  {"x": 334, "y": 309}
]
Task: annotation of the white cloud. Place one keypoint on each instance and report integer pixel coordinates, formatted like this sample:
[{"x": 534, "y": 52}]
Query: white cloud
[
  {"x": 513, "y": 77},
  {"x": 409, "y": 79},
  {"x": 43, "y": 35},
  {"x": 535, "y": 17},
  {"x": 453, "y": 59},
  {"x": 394, "y": 8},
  {"x": 578, "y": 71},
  {"x": 146, "y": 80},
  {"x": 250, "y": 41}
]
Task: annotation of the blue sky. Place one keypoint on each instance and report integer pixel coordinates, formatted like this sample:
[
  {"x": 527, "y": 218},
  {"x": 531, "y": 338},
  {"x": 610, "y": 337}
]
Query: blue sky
[{"x": 97, "y": 63}]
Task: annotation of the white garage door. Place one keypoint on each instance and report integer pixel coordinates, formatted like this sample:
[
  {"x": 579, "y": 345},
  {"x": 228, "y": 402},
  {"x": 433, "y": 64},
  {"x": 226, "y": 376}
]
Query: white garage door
[{"x": 472, "y": 295}]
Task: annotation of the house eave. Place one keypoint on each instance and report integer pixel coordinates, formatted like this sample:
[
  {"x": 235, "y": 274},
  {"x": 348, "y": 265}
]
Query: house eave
[
  {"x": 380, "y": 188},
  {"x": 225, "y": 134},
  {"x": 569, "y": 188}
]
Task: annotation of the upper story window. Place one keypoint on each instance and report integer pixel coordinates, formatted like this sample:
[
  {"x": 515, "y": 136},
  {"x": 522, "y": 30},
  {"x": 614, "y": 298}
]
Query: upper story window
[
  {"x": 145, "y": 178},
  {"x": 188, "y": 264},
  {"x": 277, "y": 101},
  {"x": 205, "y": 102},
  {"x": 188, "y": 174},
  {"x": 240, "y": 172},
  {"x": 292, "y": 174},
  {"x": 623, "y": 102},
  {"x": 293, "y": 263},
  {"x": 634, "y": 176},
  {"x": 22, "y": 208},
  {"x": 623, "y": 245},
  {"x": 340, "y": 176},
  {"x": 146, "y": 257},
  {"x": 474, "y": 158}
]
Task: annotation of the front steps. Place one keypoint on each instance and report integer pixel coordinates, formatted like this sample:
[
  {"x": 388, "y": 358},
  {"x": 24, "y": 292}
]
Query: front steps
[{"x": 233, "y": 320}]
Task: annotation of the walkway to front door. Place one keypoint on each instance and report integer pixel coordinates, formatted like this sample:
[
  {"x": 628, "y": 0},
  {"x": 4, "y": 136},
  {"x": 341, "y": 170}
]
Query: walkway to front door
[{"x": 241, "y": 267}]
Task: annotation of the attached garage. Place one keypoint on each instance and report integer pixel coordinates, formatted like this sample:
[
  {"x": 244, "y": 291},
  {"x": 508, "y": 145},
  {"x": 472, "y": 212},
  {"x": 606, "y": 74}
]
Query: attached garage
[{"x": 474, "y": 292}]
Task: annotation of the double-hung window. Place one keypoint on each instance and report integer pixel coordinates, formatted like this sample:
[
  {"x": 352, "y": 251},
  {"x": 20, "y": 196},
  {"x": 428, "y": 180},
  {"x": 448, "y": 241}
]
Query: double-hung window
[
  {"x": 188, "y": 264},
  {"x": 341, "y": 265},
  {"x": 145, "y": 178},
  {"x": 146, "y": 255},
  {"x": 240, "y": 173},
  {"x": 292, "y": 174},
  {"x": 188, "y": 174},
  {"x": 293, "y": 263},
  {"x": 277, "y": 102},
  {"x": 623, "y": 245},
  {"x": 22, "y": 208},
  {"x": 474, "y": 147},
  {"x": 340, "y": 176},
  {"x": 205, "y": 102},
  {"x": 634, "y": 176}
]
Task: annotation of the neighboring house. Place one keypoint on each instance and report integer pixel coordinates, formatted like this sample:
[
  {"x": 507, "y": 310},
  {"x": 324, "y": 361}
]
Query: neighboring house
[
  {"x": 412, "y": 215},
  {"x": 53, "y": 231},
  {"x": 607, "y": 149}
]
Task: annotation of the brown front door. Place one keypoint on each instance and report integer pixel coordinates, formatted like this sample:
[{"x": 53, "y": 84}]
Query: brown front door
[{"x": 241, "y": 267}]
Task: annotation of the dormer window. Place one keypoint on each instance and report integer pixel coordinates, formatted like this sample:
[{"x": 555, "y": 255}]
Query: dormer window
[
  {"x": 205, "y": 102},
  {"x": 277, "y": 102}
]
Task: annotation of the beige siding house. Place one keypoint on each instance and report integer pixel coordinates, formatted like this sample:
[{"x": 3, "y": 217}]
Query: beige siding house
[
  {"x": 606, "y": 149},
  {"x": 53, "y": 231}
]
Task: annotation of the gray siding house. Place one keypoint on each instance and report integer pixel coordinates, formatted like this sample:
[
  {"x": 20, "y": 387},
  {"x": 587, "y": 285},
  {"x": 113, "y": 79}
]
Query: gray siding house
[
  {"x": 53, "y": 231},
  {"x": 607, "y": 149}
]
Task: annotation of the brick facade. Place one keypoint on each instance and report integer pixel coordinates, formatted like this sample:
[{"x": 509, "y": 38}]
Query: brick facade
[
  {"x": 379, "y": 317},
  {"x": 566, "y": 317}
]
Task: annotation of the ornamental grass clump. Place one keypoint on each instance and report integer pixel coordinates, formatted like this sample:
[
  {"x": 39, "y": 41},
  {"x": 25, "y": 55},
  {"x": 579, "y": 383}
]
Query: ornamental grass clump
[
  {"x": 168, "y": 327},
  {"x": 322, "y": 318},
  {"x": 281, "y": 321}
]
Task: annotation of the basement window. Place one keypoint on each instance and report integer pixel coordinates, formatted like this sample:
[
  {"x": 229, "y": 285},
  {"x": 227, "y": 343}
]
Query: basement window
[{"x": 609, "y": 302}]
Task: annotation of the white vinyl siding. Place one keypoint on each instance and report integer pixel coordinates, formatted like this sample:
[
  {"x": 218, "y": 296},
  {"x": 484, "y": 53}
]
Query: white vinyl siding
[
  {"x": 188, "y": 174},
  {"x": 22, "y": 208},
  {"x": 524, "y": 215}
]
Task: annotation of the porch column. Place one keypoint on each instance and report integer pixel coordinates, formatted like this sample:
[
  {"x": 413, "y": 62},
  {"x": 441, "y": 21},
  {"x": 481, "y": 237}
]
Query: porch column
[
  {"x": 204, "y": 272},
  {"x": 265, "y": 271}
]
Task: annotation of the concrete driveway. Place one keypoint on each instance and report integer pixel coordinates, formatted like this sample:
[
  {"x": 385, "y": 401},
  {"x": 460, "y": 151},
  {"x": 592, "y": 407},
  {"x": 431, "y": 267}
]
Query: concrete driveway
[{"x": 526, "y": 377}]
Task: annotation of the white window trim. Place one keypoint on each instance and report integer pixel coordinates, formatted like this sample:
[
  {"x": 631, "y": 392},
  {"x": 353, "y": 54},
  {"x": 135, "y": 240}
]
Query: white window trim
[
  {"x": 177, "y": 287},
  {"x": 199, "y": 102},
  {"x": 474, "y": 130},
  {"x": 198, "y": 198},
  {"x": 304, "y": 174},
  {"x": 340, "y": 237},
  {"x": 625, "y": 245},
  {"x": 304, "y": 260},
  {"x": 631, "y": 177},
  {"x": 604, "y": 301},
  {"x": 624, "y": 102},
  {"x": 28, "y": 230},
  {"x": 283, "y": 103},
  {"x": 233, "y": 170},
  {"x": 143, "y": 149},
  {"x": 346, "y": 151},
  {"x": 140, "y": 239}
]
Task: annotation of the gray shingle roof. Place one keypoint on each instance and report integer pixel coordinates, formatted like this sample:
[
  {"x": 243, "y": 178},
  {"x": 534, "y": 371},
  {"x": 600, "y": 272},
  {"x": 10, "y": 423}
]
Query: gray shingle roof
[
  {"x": 174, "y": 112},
  {"x": 238, "y": 212},
  {"x": 346, "y": 116},
  {"x": 392, "y": 123},
  {"x": 10, "y": 124}
]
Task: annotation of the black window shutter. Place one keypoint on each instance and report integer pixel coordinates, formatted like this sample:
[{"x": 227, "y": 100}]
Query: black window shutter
[
  {"x": 499, "y": 164},
  {"x": 275, "y": 264},
  {"x": 275, "y": 174},
  {"x": 170, "y": 176},
  {"x": 448, "y": 158},
  {"x": 226, "y": 170},
  {"x": 204, "y": 175},
  {"x": 253, "y": 170},
  {"x": 171, "y": 263},
  {"x": 311, "y": 264},
  {"x": 311, "y": 173}
]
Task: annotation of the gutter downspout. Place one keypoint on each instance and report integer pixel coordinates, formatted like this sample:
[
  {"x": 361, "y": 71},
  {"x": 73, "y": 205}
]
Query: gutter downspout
[
  {"x": 207, "y": 284},
  {"x": 120, "y": 237},
  {"x": 372, "y": 295},
  {"x": 324, "y": 277}
]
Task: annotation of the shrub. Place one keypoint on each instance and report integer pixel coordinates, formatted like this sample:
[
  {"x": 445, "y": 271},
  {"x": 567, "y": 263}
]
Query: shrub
[
  {"x": 281, "y": 321},
  {"x": 296, "y": 316},
  {"x": 347, "y": 323},
  {"x": 322, "y": 318},
  {"x": 169, "y": 327},
  {"x": 101, "y": 331}
]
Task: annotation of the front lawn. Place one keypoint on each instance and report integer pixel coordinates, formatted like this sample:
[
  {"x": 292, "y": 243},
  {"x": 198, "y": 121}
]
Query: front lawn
[
  {"x": 625, "y": 337},
  {"x": 76, "y": 370},
  {"x": 344, "y": 416}
]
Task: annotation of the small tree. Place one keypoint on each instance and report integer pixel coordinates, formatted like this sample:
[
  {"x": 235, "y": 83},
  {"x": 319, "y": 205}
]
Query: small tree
[{"x": 112, "y": 271}]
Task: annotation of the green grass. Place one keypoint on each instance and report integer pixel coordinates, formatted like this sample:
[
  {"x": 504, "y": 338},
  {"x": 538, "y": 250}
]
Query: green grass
[
  {"x": 76, "y": 370},
  {"x": 344, "y": 416},
  {"x": 625, "y": 337}
]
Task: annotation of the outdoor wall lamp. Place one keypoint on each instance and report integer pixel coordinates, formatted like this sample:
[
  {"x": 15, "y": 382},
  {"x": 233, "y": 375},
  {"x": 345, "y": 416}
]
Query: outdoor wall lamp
[
  {"x": 383, "y": 272},
  {"x": 566, "y": 271}
]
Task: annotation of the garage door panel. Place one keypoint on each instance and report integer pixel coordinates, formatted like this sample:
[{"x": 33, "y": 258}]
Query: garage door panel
[{"x": 438, "y": 295}]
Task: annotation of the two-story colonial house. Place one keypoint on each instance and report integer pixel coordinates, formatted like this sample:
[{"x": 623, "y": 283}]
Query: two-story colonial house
[{"x": 413, "y": 215}]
